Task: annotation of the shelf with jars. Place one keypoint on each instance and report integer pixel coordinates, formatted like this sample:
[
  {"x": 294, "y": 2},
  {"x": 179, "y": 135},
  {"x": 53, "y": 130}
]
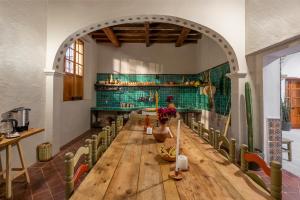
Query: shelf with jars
[{"x": 101, "y": 85}]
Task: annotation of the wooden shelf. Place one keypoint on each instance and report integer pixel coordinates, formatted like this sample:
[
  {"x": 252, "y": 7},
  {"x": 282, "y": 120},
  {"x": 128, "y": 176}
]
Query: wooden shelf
[{"x": 141, "y": 85}]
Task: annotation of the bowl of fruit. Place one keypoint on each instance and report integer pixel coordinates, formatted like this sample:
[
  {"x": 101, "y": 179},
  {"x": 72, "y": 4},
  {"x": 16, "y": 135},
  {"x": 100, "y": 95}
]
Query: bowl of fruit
[
  {"x": 168, "y": 154},
  {"x": 168, "y": 150}
]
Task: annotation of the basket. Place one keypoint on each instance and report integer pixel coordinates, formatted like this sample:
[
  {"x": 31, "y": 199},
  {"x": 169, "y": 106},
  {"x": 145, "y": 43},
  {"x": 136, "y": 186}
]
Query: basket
[
  {"x": 168, "y": 158},
  {"x": 44, "y": 151},
  {"x": 169, "y": 142}
]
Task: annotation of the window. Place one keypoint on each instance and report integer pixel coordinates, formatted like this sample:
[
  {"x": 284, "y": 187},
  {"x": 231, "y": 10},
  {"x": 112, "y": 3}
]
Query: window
[{"x": 74, "y": 65}]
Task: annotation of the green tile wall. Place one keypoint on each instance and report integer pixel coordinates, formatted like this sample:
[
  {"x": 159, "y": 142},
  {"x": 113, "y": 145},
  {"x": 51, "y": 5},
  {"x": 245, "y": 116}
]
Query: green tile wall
[{"x": 184, "y": 97}]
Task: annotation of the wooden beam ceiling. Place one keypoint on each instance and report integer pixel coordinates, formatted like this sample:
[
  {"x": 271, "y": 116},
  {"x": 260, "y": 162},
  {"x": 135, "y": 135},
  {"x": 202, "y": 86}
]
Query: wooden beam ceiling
[
  {"x": 183, "y": 35},
  {"x": 147, "y": 38},
  {"x": 147, "y": 32},
  {"x": 111, "y": 36}
]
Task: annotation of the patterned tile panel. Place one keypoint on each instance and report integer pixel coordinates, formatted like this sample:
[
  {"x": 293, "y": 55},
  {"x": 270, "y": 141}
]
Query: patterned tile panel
[
  {"x": 184, "y": 97},
  {"x": 275, "y": 139}
]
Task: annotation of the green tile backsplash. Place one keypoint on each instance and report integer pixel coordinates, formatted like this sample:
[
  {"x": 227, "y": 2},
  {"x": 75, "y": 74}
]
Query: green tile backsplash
[{"x": 184, "y": 97}]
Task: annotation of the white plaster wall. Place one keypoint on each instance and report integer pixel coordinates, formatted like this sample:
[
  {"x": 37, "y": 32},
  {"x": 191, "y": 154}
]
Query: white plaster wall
[
  {"x": 160, "y": 58},
  {"x": 22, "y": 61},
  {"x": 290, "y": 65},
  {"x": 209, "y": 54},
  {"x": 271, "y": 98},
  {"x": 270, "y": 21},
  {"x": 139, "y": 59},
  {"x": 290, "y": 68},
  {"x": 75, "y": 115}
]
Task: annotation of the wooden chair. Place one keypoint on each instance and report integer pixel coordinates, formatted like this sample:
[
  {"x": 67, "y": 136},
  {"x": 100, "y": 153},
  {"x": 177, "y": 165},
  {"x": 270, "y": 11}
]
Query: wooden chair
[
  {"x": 71, "y": 161},
  {"x": 195, "y": 126},
  {"x": 214, "y": 138},
  {"x": 119, "y": 123},
  {"x": 274, "y": 172},
  {"x": 222, "y": 144},
  {"x": 99, "y": 145},
  {"x": 109, "y": 135},
  {"x": 113, "y": 129},
  {"x": 204, "y": 133}
]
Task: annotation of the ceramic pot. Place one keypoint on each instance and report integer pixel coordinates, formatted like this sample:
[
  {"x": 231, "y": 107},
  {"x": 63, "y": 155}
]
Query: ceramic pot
[
  {"x": 171, "y": 105},
  {"x": 162, "y": 133},
  {"x": 286, "y": 126}
]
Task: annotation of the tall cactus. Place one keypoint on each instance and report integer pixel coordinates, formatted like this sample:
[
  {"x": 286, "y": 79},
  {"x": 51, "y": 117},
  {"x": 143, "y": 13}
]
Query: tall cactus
[{"x": 249, "y": 116}]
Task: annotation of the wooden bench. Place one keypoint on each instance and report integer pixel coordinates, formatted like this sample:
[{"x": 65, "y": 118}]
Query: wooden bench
[{"x": 288, "y": 148}]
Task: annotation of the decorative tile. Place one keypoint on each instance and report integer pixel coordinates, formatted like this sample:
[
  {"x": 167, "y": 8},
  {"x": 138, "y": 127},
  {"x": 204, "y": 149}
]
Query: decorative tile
[
  {"x": 184, "y": 97},
  {"x": 275, "y": 139}
]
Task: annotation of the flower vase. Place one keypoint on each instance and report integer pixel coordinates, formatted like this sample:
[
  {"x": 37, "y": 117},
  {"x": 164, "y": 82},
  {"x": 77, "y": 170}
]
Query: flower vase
[
  {"x": 164, "y": 129},
  {"x": 171, "y": 105},
  {"x": 162, "y": 133}
]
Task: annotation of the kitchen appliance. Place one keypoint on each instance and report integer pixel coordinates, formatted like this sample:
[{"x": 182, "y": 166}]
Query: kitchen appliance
[
  {"x": 21, "y": 115},
  {"x": 7, "y": 127}
]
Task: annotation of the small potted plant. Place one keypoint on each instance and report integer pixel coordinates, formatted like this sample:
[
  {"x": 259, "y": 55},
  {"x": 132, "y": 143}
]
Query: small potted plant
[
  {"x": 164, "y": 115},
  {"x": 285, "y": 116}
]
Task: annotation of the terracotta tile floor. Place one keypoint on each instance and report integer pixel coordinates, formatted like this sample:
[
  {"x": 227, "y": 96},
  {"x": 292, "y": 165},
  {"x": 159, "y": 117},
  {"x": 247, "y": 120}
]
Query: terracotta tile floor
[
  {"x": 291, "y": 185},
  {"x": 47, "y": 178}
]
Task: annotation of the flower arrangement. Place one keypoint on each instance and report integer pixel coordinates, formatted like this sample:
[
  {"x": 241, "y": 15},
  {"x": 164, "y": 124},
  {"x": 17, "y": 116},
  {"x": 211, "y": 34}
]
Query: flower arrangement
[
  {"x": 170, "y": 102},
  {"x": 164, "y": 114},
  {"x": 170, "y": 99}
]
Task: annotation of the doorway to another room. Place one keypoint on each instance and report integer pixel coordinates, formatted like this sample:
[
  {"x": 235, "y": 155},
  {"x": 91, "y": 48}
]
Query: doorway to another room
[{"x": 290, "y": 112}]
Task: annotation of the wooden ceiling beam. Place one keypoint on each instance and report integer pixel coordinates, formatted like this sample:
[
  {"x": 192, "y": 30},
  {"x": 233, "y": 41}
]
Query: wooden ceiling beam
[
  {"x": 151, "y": 37},
  {"x": 147, "y": 37},
  {"x": 183, "y": 35},
  {"x": 142, "y": 41},
  {"x": 111, "y": 36}
]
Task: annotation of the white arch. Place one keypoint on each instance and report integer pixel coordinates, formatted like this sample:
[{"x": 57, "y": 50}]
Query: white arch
[{"x": 219, "y": 39}]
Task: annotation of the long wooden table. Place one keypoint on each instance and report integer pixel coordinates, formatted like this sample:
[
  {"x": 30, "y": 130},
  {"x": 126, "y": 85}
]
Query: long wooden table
[
  {"x": 7, "y": 144},
  {"x": 132, "y": 169}
]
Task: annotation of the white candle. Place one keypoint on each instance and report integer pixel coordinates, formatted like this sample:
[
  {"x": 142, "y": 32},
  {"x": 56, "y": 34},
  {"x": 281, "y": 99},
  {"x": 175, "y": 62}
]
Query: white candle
[
  {"x": 177, "y": 144},
  {"x": 182, "y": 162},
  {"x": 149, "y": 131}
]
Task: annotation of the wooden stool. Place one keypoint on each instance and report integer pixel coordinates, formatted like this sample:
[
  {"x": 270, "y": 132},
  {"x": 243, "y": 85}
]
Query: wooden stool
[{"x": 288, "y": 149}]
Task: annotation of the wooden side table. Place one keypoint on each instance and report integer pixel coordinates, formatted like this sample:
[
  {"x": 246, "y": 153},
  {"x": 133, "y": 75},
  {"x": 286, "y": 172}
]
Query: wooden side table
[
  {"x": 7, "y": 144},
  {"x": 288, "y": 148}
]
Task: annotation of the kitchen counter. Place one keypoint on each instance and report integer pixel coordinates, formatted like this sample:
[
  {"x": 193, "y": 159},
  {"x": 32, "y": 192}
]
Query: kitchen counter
[{"x": 118, "y": 109}]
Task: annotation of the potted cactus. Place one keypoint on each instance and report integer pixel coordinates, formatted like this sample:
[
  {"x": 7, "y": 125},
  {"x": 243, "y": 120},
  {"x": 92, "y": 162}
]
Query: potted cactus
[
  {"x": 248, "y": 97},
  {"x": 249, "y": 111},
  {"x": 285, "y": 116}
]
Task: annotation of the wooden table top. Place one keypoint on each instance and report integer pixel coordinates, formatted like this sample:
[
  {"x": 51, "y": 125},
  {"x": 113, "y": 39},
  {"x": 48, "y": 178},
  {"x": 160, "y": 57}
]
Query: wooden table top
[
  {"x": 132, "y": 169},
  {"x": 24, "y": 134}
]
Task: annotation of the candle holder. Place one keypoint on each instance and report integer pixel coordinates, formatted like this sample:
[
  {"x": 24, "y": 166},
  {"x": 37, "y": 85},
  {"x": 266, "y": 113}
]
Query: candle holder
[{"x": 176, "y": 175}]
